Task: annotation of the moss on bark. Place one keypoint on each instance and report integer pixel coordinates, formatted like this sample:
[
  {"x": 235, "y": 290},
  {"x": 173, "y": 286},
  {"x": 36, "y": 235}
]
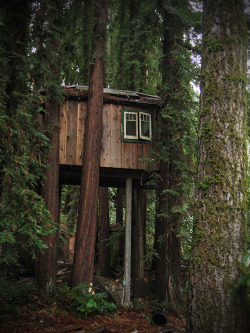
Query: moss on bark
[{"x": 220, "y": 232}]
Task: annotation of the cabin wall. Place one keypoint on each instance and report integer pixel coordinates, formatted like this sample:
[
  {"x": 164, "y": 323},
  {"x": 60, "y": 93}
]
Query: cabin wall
[{"x": 115, "y": 153}]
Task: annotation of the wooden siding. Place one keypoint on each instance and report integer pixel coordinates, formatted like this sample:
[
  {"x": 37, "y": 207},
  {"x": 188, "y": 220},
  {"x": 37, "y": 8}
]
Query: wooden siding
[{"x": 115, "y": 153}]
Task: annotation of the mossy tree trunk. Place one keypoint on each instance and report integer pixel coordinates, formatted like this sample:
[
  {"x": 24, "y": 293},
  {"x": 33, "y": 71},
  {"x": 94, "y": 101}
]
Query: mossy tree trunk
[
  {"x": 83, "y": 265},
  {"x": 219, "y": 239}
]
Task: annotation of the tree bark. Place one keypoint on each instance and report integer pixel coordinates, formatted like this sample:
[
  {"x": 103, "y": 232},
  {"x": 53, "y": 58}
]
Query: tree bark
[
  {"x": 175, "y": 111},
  {"x": 46, "y": 269},
  {"x": 219, "y": 237},
  {"x": 137, "y": 243},
  {"x": 83, "y": 265},
  {"x": 103, "y": 233}
]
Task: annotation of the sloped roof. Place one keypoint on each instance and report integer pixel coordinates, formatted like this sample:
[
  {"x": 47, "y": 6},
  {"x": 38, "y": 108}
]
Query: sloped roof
[{"x": 112, "y": 95}]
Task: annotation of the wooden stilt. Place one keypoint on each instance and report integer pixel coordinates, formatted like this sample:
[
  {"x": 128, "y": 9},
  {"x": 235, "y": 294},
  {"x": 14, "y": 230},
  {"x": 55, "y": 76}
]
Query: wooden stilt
[{"x": 127, "y": 255}]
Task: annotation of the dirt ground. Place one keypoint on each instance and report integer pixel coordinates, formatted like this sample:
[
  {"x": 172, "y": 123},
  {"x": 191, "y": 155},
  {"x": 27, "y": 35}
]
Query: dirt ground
[
  {"x": 123, "y": 321},
  {"x": 41, "y": 318}
]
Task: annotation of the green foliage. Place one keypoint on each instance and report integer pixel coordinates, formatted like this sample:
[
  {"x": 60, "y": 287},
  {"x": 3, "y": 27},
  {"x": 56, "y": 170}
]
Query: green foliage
[
  {"x": 185, "y": 232},
  {"x": 245, "y": 279},
  {"x": 77, "y": 42},
  {"x": 13, "y": 295},
  {"x": 23, "y": 144},
  {"x": 150, "y": 226},
  {"x": 88, "y": 300},
  {"x": 22, "y": 210},
  {"x": 150, "y": 255},
  {"x": 69, "y": 211},
  {"x": 85, "y": 299},
  {"x": 112, "y": 209},
  {"x": 176, "y": 149},
  {"x": 133, "y": 52}
]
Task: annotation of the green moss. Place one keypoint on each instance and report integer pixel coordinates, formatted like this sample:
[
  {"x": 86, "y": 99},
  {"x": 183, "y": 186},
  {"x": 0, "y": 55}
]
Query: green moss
[
  {"x": 207, "y": 131},
  {"x": 207, "y": 182},
  {"x": 213, "y": 45},
  {"x": 198, "y": 234}
]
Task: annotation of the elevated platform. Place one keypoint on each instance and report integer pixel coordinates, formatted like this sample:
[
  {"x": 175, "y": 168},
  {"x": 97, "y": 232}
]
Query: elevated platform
[{"x": 109, "y": 177}]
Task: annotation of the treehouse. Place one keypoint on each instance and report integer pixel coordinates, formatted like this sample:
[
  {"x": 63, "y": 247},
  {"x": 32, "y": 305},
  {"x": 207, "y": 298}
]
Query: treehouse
[{"x": 129, "y": 130}]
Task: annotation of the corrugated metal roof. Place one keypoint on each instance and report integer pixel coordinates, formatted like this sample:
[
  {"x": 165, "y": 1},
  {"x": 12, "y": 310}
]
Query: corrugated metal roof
[{"x": 112, "y": 95}]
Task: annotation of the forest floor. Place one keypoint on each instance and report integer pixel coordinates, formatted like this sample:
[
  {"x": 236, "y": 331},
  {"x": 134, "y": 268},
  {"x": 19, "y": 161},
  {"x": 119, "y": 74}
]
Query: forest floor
[
  {"x": 123, "y": 321},
  {"x": 41, "y": 316}
]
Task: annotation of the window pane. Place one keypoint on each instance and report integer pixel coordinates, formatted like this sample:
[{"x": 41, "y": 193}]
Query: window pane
[
  {"x": 131, "y": 128},
  {"x": 145, "y": 128}
]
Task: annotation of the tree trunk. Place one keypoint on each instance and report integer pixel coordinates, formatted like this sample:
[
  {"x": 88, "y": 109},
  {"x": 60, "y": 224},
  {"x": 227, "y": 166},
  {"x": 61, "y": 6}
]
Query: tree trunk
[
  {"x": 137, "y": 243},
  {"x": 103, "y": 233},
  {"x": 46, "y": 270},
  {"x": 83, "y": 265},
  {"x": 175, "y": 110},
  {"x": 219, "y": 237},
  {"x": 160, "y": 245}
]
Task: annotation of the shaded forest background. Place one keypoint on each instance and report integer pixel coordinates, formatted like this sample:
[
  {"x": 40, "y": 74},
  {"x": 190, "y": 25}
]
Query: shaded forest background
[{"x": 152, "y": 47}]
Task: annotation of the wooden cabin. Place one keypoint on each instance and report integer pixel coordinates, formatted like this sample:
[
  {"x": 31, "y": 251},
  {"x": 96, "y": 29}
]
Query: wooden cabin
[{"x": 129, "y": 129}]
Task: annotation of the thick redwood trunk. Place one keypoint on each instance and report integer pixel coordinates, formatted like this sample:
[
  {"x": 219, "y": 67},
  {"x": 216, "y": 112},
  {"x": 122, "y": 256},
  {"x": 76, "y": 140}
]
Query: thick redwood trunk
[
  {"x": 46, "y": 269},
  {"x": 137, "y": 242},
  {"x": 83, "y": 266},
  {"x": 103, "y": 233}
]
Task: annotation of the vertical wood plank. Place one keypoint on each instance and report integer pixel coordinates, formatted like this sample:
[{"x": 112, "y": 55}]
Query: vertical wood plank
[
  {"x": 106, "y": 137},
  {"x": 71, "y": 132},
  {"x": 146, "y": 154},
  {"x": 140, "y": 155},
  {"x": 116, "y": 146},
  {"x": 63, "y": 133},
  {"x": 135, "y": 155},
  {"x": 115, "y": 153},
  {"x": 81, "y": 120},
  {"x": 127, "y": 155}
]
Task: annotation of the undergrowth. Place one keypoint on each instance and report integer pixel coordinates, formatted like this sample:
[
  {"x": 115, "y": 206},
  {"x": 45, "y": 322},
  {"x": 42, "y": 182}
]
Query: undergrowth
[{"x": 79, "y": 301}]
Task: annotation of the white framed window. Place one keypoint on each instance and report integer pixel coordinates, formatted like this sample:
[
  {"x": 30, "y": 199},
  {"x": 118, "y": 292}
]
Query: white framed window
[
  {"x": 130, "y": 125},
  {"x": 136, "y": 126},
  {"x": 145, "y": 127}
]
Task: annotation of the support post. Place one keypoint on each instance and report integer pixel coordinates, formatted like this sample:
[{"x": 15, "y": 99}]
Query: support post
[{"x": 127, "y": 255}]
